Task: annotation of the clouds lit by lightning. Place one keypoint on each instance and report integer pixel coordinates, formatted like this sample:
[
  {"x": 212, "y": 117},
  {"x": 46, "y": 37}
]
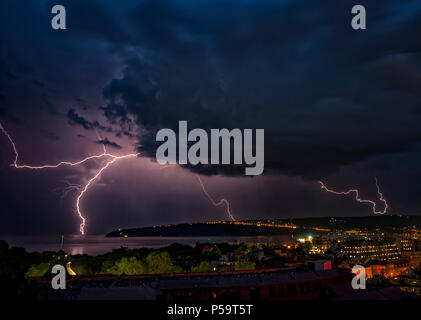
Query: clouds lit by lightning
[
  {"x": 69, "y": 188},
  {"x": 47, "y": 166},
  {"x": 216, "y": 203},
  {"x": 358, "y": 198},
  {"x": 112, "y": 159},
  {"x": 91, "y": 181},
  {"x": 82, "y": 189}
]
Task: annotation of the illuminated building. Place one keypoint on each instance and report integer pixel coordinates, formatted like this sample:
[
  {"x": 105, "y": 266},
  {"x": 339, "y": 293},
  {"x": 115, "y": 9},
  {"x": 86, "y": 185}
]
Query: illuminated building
[
  {"x": 407, "y": 244},
  {"x": 370, "y": 250},
  {"x": 414, "y": 259},
  {"x": 320, "y": 246},
  {"x": 320, "y": 265}
]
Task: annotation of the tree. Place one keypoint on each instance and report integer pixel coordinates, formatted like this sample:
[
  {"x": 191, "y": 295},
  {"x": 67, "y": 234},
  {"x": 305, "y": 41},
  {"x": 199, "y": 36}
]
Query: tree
[
  {"x": 84, "y": 264},
  {"x": 378, "y": 281},
  {"x": 107, "y": 264},
  {"x": 204, "y": 266},
  {"x": 127, "y": 266},
  {"x": 242, "y": 249},
  {"x": 275, "y": 262},
  {"x": 3, "y": 246},
  {"x": 37, "y": 270},
  {"x": 245, "y": 265},
  {"x": 303, "y": 248},
  {"x": 160, "y": 262}
]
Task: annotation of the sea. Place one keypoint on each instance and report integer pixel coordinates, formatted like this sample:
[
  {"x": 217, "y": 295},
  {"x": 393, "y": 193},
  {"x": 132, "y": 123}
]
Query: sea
[{"x": 99, "y": 244}]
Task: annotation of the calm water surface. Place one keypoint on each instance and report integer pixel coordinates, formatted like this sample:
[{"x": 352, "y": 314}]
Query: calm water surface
[{"x": 99, "y": 244}]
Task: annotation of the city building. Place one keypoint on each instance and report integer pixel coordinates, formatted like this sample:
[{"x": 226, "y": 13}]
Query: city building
[
  {"x": 370, "y": 250},
  {"x": 320, "y": 246},
  {"x": 320, "y": 265}
]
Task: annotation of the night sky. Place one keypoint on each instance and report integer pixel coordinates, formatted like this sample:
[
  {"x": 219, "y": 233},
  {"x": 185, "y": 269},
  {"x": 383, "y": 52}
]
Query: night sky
[{"x": 339, "y": 105}]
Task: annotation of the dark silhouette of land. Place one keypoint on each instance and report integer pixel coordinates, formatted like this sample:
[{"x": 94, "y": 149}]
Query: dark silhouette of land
[{"x": 272, "y": 227}]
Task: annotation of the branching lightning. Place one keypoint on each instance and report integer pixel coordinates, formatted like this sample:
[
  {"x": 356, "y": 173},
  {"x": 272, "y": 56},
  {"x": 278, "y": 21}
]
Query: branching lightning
[
  {"x": 86, "y": 187},
  {"x": 82, "y": 189},
  {"x": 112, "y": 159},
  {"x": 69, "y": 188},
  {"x": 216, "y": 203},
  {"x": 47, "y": 166},
  {"x": 358, "y": 198}
]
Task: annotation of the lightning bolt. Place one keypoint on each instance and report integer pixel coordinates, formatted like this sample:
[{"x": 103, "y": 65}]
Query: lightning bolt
[
  {"x": 47, "y": 166},
  {"x": 112, "y": 159},
  {"x": 69, "y": 188},
  {"x": 359, "y": 199},
  {"x": 90, "y": 182},
  {"x": 215, "y": 203}
]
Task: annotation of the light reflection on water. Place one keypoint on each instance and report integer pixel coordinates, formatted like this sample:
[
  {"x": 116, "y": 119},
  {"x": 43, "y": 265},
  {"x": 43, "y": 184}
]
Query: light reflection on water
[{"x": 99, "y": 244}]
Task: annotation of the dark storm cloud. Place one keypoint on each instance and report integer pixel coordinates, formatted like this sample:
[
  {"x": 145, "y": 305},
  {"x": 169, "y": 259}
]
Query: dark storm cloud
[
  {"x": 50, "y": 107},
  {"x": 10, "y": 75},
  {"x": 6, "y": 114},
  {"x": 326, "y": 95},
  {"x": 116, "y": 113},
  {"x": 335, "y": 103},
  {"x": 75, "y": 119},
  {"x": 38, "y": 83},
  {"x": 107, "y": 142},
  {"x": 400, "y": 71},
  {"x": 82, "y": 103},
  {"x": 128, "y": 134}
]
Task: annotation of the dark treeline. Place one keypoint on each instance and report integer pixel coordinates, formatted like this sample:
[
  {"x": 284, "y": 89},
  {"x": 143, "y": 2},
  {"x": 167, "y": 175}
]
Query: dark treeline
[{"x": 18, "y": 267}]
